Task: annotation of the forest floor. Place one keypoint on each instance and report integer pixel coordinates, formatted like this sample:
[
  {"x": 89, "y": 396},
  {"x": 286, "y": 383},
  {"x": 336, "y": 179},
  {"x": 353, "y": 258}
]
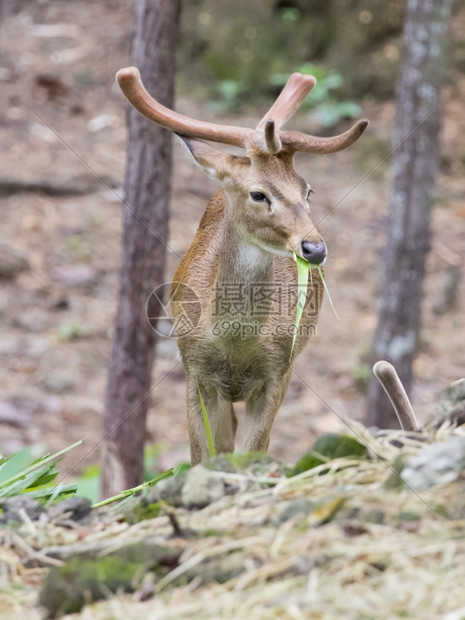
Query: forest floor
[
  {"x": 240, "y": 540},
  {"x": 63, "y": 121}
]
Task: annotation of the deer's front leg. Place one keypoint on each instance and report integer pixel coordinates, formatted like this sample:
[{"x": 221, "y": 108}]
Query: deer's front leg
[
  {"x": 222, "y": 420},
  {"x": 261, "y": 409}
]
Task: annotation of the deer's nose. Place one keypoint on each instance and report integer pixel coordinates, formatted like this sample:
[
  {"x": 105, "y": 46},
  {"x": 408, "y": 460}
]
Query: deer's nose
[{"x": 314, "y": 253}]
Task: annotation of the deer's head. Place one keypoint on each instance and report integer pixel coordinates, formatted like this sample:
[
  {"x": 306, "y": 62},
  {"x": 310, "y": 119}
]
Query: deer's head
[{"x": 268, "y": 200}]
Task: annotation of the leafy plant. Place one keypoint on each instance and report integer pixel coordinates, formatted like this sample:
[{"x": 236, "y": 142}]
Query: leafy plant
[
  {"x": 330, "y": 113},
  {"x": 88, "y": 483},
  {"x": 328, "y": 110},
  {"x": 71, "y": 331},
  {"x": 230, "y": 90},
  {"x": 21, "y": 474},
  {"x": 361, "y": 374},
  {"x": 328, "y": 81},
  {"x": 328, "y": 447}
]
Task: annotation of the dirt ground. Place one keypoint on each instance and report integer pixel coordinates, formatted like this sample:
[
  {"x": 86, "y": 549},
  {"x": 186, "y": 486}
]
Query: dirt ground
[{"x": 62, "y": 123}]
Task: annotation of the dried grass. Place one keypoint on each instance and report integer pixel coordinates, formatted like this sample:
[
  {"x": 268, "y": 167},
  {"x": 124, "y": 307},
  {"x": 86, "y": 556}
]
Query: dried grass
[{"x": 309, "y": 566}]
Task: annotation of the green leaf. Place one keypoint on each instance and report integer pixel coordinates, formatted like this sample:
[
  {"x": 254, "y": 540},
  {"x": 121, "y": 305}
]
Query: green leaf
[
  {"x": 89, "y": 486},
  {"x": 181, "y": 469},
  {"x": 40, "y": 461},
  {"x": 17, "y": 477},
  {"x": 327, "y": 292},
  {"x": 329, "y": 113},
  {"x": 28, "y": 482},
  {"x": 14, "y": 464},
  {"x": 70, "y": 331},
  {"x": 328, "y": 447},
  {"x": 48, "y": 475},
  {"x": 206, "y": 421},
  {"x": 303, "y": 267},
  {"x": 51, "y": 495},
  {"x": 21, "y": 484}
]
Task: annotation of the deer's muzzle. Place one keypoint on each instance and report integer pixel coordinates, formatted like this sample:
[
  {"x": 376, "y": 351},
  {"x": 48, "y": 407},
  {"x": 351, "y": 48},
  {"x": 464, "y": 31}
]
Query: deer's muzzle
[{"x": 314, "y": 252}]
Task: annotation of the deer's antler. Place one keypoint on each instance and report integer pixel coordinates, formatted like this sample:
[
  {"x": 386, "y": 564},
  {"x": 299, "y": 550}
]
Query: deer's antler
[
  {"x": 267, "y": 136},
  {"x": 389, "y": 379},
  {"x": 131, "y": 85}
]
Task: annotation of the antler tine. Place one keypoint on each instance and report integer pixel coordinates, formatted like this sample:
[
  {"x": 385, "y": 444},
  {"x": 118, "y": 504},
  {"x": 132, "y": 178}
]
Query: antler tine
[
  {"x": 389, "y": 379},
  {"x": 130, "y": 83},
  {"x": 297, "y": 88},
  {"x": 286, "y": 105},
  {"x": 295, "y": 141},
  {"x": 273, "y": 143}
]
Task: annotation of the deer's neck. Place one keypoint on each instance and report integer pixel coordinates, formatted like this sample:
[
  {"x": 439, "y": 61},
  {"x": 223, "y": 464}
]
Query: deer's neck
[{"x": 241, "y": 261}]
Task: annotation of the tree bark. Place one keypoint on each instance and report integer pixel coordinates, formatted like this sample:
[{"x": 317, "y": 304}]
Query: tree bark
[
  {"x": 145, "y": 231},
  {"x": 414, "y": 163}
]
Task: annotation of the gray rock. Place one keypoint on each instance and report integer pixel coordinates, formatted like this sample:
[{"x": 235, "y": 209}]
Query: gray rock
[
  {"x": 302, "y": 507},
  {"x": 37, "y": 346},
  {"x": 436, "y": 464},
  {"x": 221, "y": 462},
  {"x": 452, "y": 403},
  {"x": 202, "y": 487},
  {"x": 219, "y": 569},
  {"x": 81, "y": 274},
  {"x": 348, "y": 513},
  {"x": 75, "y": 508},
  {"x": 374, "y": 516},
  {"x": 13, "y": 507},
  {"x": 168, "y": 490},
  {"x": 59, "y": 381},
  {"x": 146, "y": 551},
  {"x": 15, "y": 415}
]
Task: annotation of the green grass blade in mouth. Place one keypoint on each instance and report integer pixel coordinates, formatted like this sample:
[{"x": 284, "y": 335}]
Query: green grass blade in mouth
[
  {"x": 206, "y": 421},
  {"x": 303, "y": 268},
  {"x": 327, "y": 292}
]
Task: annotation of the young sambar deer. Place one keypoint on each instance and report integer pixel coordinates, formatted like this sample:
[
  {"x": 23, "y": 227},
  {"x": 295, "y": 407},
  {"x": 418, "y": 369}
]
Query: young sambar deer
[{"x": 238, "y": 281}]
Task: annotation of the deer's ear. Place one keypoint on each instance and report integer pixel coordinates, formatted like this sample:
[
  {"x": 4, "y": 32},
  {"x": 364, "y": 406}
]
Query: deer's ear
[{"x": 216, "y": 164}]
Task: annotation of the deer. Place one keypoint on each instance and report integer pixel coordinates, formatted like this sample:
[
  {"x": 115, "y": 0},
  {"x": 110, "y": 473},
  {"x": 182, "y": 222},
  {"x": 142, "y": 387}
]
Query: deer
[{"x": 244, "y": 249}]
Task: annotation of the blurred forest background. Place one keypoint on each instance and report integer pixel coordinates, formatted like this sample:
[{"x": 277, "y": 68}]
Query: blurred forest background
[{"x": 63, "y": 123}]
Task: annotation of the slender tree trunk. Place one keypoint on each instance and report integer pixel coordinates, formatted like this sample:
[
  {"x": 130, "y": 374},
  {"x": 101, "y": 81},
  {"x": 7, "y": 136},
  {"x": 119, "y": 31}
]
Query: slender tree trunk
[
  {"x": 147, "y": 192},
  {"x": 414, "y": 164}
]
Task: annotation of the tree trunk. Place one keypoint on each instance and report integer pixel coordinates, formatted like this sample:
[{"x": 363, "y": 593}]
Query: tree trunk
[
  {"x": 414, "y": 163},
  {"x": 145, "y": 231}
]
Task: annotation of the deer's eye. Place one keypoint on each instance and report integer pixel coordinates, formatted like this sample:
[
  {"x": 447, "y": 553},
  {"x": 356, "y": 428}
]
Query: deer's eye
[
  {"x": 259, "y": 197},
  {"x": 309, "y": 193}
]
